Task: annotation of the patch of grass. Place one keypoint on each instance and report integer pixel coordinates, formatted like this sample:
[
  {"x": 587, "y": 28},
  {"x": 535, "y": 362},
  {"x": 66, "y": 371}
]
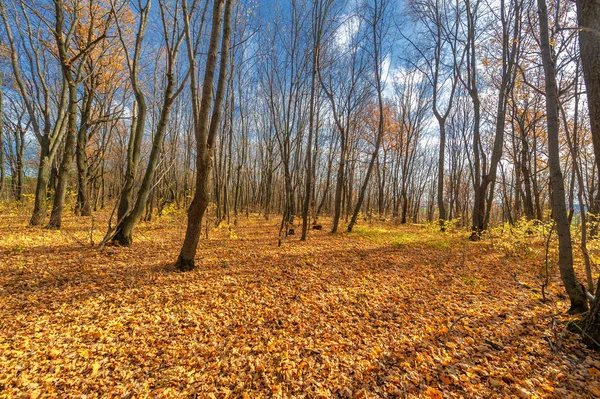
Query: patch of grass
[
  {"x": 374, "y": 233},
  {"x": 470, "y": 280},
  {"x": 401, "y": 239},
  {"x": 439, "y": 244}
]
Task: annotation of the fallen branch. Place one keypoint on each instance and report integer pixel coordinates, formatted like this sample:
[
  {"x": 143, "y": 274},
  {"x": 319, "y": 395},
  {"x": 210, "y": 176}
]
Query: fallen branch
[
  {"x": 451, "y": 327},
  {"x": 493, "y": 345},
  {"x": 514, "y": 276}
]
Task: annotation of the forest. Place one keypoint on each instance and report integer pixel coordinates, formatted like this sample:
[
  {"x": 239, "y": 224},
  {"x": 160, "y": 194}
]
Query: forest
[{"x": 299, "y": 198}]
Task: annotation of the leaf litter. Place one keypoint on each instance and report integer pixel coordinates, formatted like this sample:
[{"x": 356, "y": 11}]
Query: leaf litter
[{"x": 392, "y": 311}]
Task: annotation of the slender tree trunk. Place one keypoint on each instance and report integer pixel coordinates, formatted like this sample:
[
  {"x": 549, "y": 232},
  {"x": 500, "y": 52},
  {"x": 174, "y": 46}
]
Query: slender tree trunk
[
  {"x": 83, "y": 201},
  {"x": 559, "y": 212},
  {"x": 339, "y": 186},
  {"x": 127, "y": 222},
  {"x": 2, "y": 172},
  {"x": 40, "y": 207},
  {"x": 440, "y": 176},
  {"x": 376, "y": 24},
  {"x": 138, "y": 121},
  {"x": 510, "y": 47},
  {"x": 588, "y": 16},
  {"x": 124, "y": 231},
  {"x": 19, "y": 162},
  {"x": 67, "y": 159},
  {"x": 528, "y": 200},
  {"x": 318, "y": 17},
  {"x": 205, "y": 133}
]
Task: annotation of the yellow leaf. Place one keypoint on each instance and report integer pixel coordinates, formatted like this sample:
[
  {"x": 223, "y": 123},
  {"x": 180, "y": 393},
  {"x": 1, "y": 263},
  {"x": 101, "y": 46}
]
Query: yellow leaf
[{"x": 96, "y": 368}]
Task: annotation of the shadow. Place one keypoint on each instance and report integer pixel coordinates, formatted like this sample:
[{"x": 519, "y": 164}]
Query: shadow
[{"x": 374, "y": 313}]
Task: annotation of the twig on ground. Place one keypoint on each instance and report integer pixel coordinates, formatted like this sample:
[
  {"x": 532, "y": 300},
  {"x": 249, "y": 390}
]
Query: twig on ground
[
  {"x": 493, "y": 345},
  {"x": 451, "y": 327}
]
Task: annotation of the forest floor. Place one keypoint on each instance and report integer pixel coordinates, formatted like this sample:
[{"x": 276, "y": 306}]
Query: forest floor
[{"x": 386, "y": 311}]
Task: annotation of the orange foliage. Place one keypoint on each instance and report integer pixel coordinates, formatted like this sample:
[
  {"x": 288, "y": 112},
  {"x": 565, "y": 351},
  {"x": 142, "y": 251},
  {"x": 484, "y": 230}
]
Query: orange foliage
[{"x": 382, "y": 312}]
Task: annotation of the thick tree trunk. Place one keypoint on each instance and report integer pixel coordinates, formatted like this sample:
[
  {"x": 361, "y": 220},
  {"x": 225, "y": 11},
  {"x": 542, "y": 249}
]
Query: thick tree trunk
[
  {"x": 133, "y": 156},
  {"x": 592, "y": 325},
  {"x": 403, "y": 217},
  {"x": 185, "y": 261}
]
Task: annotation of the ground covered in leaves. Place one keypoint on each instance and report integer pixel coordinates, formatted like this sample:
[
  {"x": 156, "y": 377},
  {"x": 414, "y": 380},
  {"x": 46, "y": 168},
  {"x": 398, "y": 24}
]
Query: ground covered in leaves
[{"x": 386, "y": 311}]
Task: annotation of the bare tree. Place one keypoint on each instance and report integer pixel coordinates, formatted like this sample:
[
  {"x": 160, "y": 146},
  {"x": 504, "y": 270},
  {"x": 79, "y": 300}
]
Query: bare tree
[
  {"x": 139, "y": 110},
  {"x": 72, "y": 63},
  {"x": 173, "y": 37},
  {"x": 47, "y": 123},
  {"x": 559, "y": 211},
  {"x": 205, "y": 128},
  {"x": 376, "y": 22},
  {"x": 319, "y": 16},
  {"x": 441, "y": 27}
]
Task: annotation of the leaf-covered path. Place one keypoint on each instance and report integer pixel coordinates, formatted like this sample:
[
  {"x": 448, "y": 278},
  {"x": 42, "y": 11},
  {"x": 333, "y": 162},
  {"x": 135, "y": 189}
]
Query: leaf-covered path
[{"x": 382, "y": 312}]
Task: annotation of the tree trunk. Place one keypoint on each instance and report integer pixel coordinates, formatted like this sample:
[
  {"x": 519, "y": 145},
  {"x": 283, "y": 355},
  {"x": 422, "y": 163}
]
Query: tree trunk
[
  {"x": 378, "y": 13},
  {"x": 559, "y": 212},
  {"x": 124, "y": 231},
  {"x": 592, "y": 323},
  {"x": 205, "y": 134},
  {"x": 67, "y": 159},
  {"x": 318, "y": 17},
  {"x": 339, "y": 186},
  {"x": 19, "y": 162},
  {"x": 138, "y": 120},
  {"x": 588, "y": 17},
  {"x": 83, "y": 201},
  {"x": 440, "y": 176},
  {"x": 510, "y": 47},
  {"x": 2, "y": 173},
  {"x": 40, "y": 207}
]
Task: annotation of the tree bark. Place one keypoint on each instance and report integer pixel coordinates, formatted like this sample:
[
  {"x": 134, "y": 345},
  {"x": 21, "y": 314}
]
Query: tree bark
[
  {"x": 124, "y": 231},
  {"x": 376, "y": 22},
  {"x": 2, "y": 173},
  {"x": 205, "y": 133},
  {"x": 83, "y": 201},
  {"x": 573, "y": 287},
  {"x": 67, "y": 159},
  {"x": 588, "y": 17},
  {"x": 138, "y": 121}
]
